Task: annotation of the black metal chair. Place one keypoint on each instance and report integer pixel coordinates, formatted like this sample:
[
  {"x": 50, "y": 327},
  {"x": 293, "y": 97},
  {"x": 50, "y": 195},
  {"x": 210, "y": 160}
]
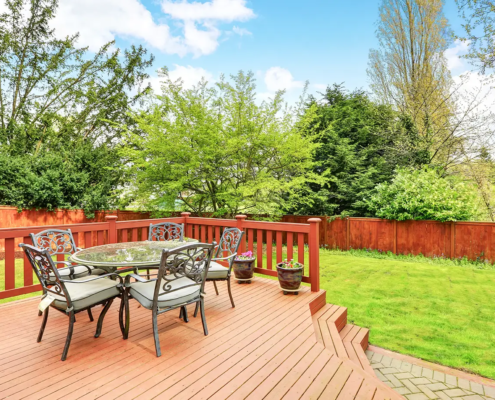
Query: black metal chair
[
  {"x": 73, "y": 296},
  {"x": 179, "y": 281},
  {"x": 57, "y": 241},
  {"x": 166, "y": 231},
  {"x": 225, "y": 251}
]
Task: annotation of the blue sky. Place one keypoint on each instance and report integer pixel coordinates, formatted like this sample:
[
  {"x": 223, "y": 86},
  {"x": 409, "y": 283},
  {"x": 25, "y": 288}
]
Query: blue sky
[{"x": 285, "y": 42}]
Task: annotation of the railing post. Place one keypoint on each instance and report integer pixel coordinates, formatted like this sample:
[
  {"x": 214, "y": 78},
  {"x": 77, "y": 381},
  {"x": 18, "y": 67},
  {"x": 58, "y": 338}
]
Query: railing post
[
  {"x": 314, "y": 253},
  {"x": 112, "y": 228},
  {"x": 186, "y": 228},
  {"x": 240, "y": 225}
]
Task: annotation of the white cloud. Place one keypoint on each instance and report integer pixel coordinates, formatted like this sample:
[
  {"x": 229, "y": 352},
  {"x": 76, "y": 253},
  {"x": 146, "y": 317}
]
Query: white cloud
[
  {"x": 100, "y": 21},
  {"x": 241, "y": 31},
  {"x": 189, "y": 75},
  {"x": 320, "y": 86},
  {"x": 453, "y": 56},
  {"x": 217, "y": 10},
  {"x": 277, "y": 78}
]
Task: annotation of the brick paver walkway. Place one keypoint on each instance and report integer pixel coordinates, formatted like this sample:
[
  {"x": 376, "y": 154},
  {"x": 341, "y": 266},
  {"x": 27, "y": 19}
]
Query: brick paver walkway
[{"x": 419, "y": 383}]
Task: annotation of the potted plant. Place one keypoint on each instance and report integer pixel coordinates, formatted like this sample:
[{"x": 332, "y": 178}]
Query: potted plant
[
  {"x": 244, "y": 267},
  {"x": 290, "y": 276}
]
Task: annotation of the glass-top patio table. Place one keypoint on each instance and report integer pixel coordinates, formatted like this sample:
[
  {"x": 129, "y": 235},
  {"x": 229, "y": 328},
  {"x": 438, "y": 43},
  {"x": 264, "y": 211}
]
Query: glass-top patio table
[{"x": 143, "y": 254}]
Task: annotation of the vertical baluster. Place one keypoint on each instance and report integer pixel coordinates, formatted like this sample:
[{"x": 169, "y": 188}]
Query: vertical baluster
[
  {"x": 269, "y": 249},
  {"x": 134, "y": 234},
  {"x": 75, "y": 235},
  {"x": 300, "y": 248},
  {"x": 217, "y": 234},
  {"x": 124, "y": 235},
  {"x": 87, "y": 240},
  {"x": 28, "y": 269},
  {"x": 203, "y": 234},
  {"x": 210, "y": 234},
  {"x": 9, "y": 263},
  {"x": 290, "y": 245},
  {"x": 144, "y": 233},
  {"x": 100, "y": 238},
  {"x": 250, "y": 239},
  {"x": 279, "y": 246},
  {"x": 196, "y": 232},
  {"x": 259, "y": 247}
]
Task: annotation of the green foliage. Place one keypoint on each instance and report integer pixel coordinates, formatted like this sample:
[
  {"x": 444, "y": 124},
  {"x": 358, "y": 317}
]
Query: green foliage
[
  {"x": 216, "y": 149},
  {"x": 423, "y": 194},
  {"x": 56, "y": 104},
  {"x": 357, "y": 151}
]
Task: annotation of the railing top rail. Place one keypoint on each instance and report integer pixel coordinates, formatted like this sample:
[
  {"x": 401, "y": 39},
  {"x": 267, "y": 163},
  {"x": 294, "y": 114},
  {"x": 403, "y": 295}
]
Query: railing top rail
[
  {"x": 277, "y": 226},
  {"x": 7, "y": 233},
  {"x": 142, "y": 223}
]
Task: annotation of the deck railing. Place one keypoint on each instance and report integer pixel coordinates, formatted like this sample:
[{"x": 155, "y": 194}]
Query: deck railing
[{"x": 271, "y": 242}]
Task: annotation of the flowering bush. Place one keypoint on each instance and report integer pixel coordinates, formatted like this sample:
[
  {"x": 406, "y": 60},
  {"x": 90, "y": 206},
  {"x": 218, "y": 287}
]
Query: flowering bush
[
  {"x": 248, "y": 255},
  {"x": 290, "y": 264}
]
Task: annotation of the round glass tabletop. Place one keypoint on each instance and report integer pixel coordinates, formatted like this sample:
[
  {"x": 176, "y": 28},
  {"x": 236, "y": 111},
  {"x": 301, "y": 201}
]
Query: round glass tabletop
[{"x": 132, "y": 254}]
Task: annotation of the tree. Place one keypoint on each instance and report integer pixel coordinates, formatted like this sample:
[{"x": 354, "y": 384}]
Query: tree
[
  {"x": 361, "y": 143},
  {"x": 479, "y": 31},
  {"x": 410, "y": 72},
  {"x": 424, "y": 194},
  {"x": 60, "y": 101},
  {"x": 216, "y": 149}
]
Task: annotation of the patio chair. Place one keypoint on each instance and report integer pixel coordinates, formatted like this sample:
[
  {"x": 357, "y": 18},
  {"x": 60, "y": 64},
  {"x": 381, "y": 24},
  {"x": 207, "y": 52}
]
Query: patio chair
[
  {"x": 73, "y": 296},
  {"x": 225, "y": 251},
  {"x": 179, "y": 281},
  {"x": 166, "y": 231},
  {"x": 56, "y": 242}
]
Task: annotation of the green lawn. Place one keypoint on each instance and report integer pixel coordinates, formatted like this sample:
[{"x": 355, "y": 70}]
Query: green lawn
[
  {"x": 425, "y": 308},
  {"x": 440, "y": 313}
]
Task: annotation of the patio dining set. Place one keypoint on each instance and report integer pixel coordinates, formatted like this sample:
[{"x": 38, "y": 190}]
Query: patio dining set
[{"x": 173, "y": 269}]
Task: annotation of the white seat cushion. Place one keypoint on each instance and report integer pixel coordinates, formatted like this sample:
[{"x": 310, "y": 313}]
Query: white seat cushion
[
  {"x": 88, "y": 293},
  {"x": 144, "y": 291},
  {"x": 217, "y": 271}
]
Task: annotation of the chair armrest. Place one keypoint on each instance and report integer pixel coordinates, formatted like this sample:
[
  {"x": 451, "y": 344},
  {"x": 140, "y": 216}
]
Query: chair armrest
[
  {"x": 224, "y": 258},
  {"x": 139, "y": 278},
  {"x": 71, "y": 266},
  {"x": 96, "y": 278}
]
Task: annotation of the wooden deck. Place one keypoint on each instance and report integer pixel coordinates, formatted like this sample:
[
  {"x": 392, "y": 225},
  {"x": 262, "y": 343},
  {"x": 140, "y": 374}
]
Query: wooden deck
[{"x": 269, "y": 347}]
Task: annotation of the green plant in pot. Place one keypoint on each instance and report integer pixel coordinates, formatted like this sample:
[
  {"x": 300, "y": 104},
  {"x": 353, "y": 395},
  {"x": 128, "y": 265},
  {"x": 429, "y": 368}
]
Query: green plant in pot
[
  {"x": 290, "y": 276},
  {"x": 244, "y": 267}
]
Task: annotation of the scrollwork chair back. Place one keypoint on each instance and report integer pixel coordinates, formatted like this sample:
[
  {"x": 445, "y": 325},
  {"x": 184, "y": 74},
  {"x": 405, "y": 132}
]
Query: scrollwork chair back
[
  {"x": 190, "y": 261},
  {"x": 166, "y": 231},
  {"x": 55, "y": 241},
  {"x": 46, "y": 271},
  {"x": 229, "y": 243}
]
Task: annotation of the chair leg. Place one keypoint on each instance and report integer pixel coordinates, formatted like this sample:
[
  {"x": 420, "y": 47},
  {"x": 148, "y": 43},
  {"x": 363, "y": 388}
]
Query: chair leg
[
  {"x": 184, "y": 314},
  {"x": 90, "y": 315},
  {"x": 216, "y": 289},
  {"x": 39, "y": 313},
  {"x": 230, "y": 292},
  {"x": 203, "y": 318},
  {"x": 155, "y": 333},
  {"x": 69, "y": 335},
  {"x": 99, "y": 325},
  {"x": 43, "y": 324},
  {"x": 148, "y": 274},
  {"x": 196, "y": 309}
]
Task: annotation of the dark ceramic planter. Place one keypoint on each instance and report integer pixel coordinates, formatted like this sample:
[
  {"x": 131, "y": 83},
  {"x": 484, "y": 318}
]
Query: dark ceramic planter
[
  {"x": 289, "y": 278},
  {"x": 244, "y": 270}
]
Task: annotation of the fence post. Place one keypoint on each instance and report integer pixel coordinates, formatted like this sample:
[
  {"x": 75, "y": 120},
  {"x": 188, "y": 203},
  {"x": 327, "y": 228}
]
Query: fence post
[
  {"x": 314, "y": 253},
  {"x": 186, "y": 227},
  {"x": 112, "y": 228},
  {"x": 240, "y": 225}
]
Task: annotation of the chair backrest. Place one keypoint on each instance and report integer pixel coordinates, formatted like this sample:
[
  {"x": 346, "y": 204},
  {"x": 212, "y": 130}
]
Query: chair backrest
[
  {"x": 166, "y": 231},
  {"x": 229, "y": 243},
  {"x": 190, "y": 261},
  {"x": 46, "y": 271},
  {"x": 55, "y": 241}
]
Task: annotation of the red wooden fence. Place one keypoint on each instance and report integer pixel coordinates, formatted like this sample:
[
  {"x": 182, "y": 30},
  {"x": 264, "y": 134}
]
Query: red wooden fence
[
  {"x": 474, "y": 240},
  {"x": 282, "y": 238}
]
